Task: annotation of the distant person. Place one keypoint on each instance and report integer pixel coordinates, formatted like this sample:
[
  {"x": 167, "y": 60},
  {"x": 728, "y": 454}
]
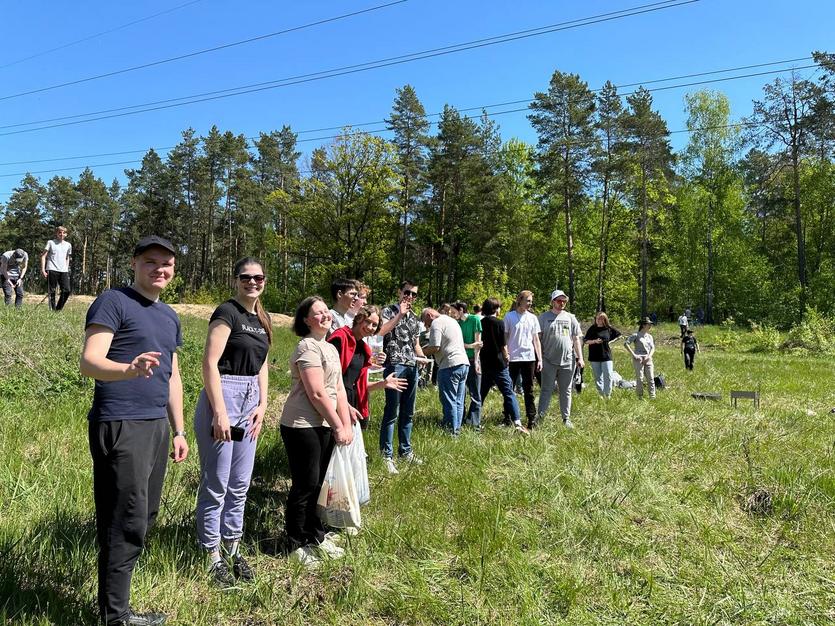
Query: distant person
[
  {"x": 494, "y": 363},
  {"x": 562, "y": 348},
  {"x": 521, "y": 329},
  {"x": 344, "y": 292},
  {"x": 400, "y": 330},
  {"x": 471, "y": 330},
  {"x": 654, "y": 317},
  {"x": 671, "y": 314},
  {"x": 446, "y": 344},
  {"x": 682, "y": 323},
  {"x": 234, "y": 396},
  {"x": 13, "y": 265},
  {"x": 644, "y": 348},
  {"x": 477, "y": 311},
  {"x": 355, "y": 358},
  {"x": 700, "y": 316},
  {"x": 130, "y": 349},
  {"x": 689, "y": 348},
  {"x": 315, "y": 417},
  {"x": 598, "y": 338},
  {"x": 55, "y": 267},
  {"x": 363, "y": 292}
]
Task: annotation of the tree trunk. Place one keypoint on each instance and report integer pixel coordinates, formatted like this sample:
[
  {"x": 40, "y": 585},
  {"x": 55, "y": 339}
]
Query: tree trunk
[
  {"x": 709, "y": 285},
  {"x": 798, "y": 227},
  {"x": 644, "y": 243},
  {"x": 569, "y": 242},
  {"x": 601, "y": 265}
]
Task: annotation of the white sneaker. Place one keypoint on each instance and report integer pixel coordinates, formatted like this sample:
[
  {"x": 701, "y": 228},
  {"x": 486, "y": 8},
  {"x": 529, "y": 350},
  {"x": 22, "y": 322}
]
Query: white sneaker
[
  {"x": 568, "y": 423},
  {"x": 390, "y": 466},
  {"x": 330, "y": 549},
  {"x": 307, "y": 556},
  {"x": 335, "y": 537},
  {"x": 411, "y": 458}
]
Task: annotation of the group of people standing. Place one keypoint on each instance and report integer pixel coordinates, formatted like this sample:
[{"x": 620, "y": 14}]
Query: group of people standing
[{"x": 130, "y": 349}]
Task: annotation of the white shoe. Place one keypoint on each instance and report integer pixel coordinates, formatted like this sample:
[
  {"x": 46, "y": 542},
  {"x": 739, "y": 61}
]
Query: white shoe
[
  {"x": 307, "y": 556},
  {"x": 330, "y": 549},
  {"x": 568, "y": 423},
  {"x": 411, "y": 458},
  {"x": 390, "y": 466},
  {"x": 335, "y": 538}
]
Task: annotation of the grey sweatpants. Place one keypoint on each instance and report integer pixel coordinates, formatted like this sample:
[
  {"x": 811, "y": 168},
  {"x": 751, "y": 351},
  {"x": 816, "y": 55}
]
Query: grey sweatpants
[{"x": 563, "y": 378}]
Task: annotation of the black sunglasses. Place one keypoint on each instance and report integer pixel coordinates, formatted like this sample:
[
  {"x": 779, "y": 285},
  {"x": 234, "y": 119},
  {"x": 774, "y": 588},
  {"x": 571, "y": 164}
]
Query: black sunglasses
[
  {"x": 245, "y": 278},
  {"x": 409, "y": 293}
]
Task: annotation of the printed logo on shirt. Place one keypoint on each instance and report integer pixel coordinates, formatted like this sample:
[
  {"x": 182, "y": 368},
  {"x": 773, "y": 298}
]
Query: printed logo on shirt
[{"x": 253, "y": 329}]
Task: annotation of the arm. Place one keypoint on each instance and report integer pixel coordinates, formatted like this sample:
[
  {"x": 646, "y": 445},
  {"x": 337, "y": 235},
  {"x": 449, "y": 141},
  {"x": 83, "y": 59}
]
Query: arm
[
  {"x": 629, "y": 349},
  {"x": 95, "y": 364},
  {"x": 175, "y": 412},
  {"x": 313, "y": 379},
  {"x": 418, "y": 350},
  {"x": 433, "y": 344},
  {"x": 476, "y": 345},
  {"x": 23, "y": 270},
  {"x": 43, "y": 262},
  {"x": 216, "y": 339},
  {"x": 537, "y": 348},
  {"x": 387, "y": 327},
  {"x": 390, "y": 382},
  {"x": 256, "y": 419},
  {"x": 578, "y": 350}
]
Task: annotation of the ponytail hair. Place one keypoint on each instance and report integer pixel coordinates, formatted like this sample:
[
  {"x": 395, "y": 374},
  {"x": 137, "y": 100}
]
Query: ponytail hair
[{"x": 263, "y": 316}]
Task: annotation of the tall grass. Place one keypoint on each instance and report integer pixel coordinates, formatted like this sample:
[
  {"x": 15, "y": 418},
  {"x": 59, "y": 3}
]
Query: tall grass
[{"x": 638, "y": 516}]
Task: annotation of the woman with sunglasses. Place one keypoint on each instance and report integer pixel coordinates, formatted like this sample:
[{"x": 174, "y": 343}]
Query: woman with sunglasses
[{"x": 229, "y": 418}]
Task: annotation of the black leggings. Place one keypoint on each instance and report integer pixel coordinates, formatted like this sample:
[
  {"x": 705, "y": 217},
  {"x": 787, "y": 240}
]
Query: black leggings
[{"x": 308, "y": 453}]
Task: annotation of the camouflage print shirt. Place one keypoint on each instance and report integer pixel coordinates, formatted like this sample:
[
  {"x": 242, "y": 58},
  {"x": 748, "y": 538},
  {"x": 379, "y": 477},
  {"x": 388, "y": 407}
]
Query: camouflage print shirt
[{"x": 399, "y": 344}]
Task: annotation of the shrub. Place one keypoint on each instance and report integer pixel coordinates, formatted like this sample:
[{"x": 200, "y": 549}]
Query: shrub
[
  {"x": 813, "y": 334},
  {"x": 764, "y": 338}
]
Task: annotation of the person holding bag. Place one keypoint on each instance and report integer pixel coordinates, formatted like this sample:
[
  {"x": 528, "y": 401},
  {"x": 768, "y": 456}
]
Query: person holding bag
[
  {"x": 228, "y": 419},
  {"x": 314, "y": 419}
]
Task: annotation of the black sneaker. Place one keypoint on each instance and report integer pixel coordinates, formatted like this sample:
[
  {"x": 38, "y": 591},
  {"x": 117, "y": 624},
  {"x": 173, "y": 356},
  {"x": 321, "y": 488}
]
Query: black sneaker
[
  {"x": 142, "y": 619},
  {"x": 241, "y": 569},
  {"x": 221, "y": 575}
]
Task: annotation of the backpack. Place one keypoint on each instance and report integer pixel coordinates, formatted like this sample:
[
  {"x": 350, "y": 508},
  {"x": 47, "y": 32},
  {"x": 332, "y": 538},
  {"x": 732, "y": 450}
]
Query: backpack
[{"x": 660, "y": 383}]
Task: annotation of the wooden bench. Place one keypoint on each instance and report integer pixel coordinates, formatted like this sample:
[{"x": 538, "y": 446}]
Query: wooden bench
[
  {"x": 706, "y": 395},
  {"x": 750, "y": 395}
]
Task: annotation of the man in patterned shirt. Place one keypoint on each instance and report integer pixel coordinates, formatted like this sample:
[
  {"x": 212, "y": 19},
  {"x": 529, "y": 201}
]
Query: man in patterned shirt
[{"x": 400, "y": 329}]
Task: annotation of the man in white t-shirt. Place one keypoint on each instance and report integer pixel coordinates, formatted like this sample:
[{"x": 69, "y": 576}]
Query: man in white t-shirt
[
  {"x": 55, "y": 267},
  {"x": 682, "y": 323},
  {"x": 521, "y": 331},
  {"x": 562, "y": 346},
  {"x": 344, "y": 292},
  {"x": 446, "y": 343}
]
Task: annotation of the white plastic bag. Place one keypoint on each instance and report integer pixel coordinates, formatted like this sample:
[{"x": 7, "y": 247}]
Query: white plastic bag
[
  {"x": 338, "y": 504},
  {"x": 359, "y": 466}
]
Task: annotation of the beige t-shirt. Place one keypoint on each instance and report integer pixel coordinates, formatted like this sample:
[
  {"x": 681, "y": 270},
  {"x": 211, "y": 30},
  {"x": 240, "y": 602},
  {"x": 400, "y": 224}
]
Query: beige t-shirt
[{"x": 299, "y": 411}]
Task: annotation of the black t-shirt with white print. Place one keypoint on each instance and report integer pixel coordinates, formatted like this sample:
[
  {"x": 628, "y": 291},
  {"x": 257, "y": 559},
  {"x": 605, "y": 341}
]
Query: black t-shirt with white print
[{"x": 247, "y": 346}]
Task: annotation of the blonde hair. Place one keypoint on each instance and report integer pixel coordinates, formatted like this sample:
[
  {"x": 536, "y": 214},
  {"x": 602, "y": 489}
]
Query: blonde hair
[{"x": 523, "y": 295}]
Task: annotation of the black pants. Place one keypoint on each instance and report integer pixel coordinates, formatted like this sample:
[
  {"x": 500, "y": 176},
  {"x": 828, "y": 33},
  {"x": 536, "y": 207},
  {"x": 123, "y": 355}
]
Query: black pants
[
  {"x": 689, "y": 358},
  {"x": 308, "y": 453},
  {"x": 683, "y": 328},
  {"x": 129, "y": 461},
  {"x": 526, "y": 369},
  {"x": 57, "y": 280}
]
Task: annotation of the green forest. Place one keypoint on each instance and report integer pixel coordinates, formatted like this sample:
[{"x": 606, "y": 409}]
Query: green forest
[{"x": 740, "y": 222}]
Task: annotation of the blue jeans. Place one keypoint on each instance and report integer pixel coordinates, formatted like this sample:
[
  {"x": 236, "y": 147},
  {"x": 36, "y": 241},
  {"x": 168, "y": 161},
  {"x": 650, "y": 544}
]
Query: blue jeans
[
  {"x": 400, "y": 406},
  {"x": 501, "y": 379},
  {"x": 452, "y": 389},
  {"x": 474, "y": 389},
  {"x": 602, "y": 377}
]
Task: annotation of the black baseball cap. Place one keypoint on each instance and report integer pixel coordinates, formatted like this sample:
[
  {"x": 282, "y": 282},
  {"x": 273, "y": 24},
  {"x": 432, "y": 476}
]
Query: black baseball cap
[{"x": 151, "y": 242}]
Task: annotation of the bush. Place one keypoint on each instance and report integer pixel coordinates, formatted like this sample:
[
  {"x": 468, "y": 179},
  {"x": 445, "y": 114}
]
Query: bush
[
  {"x": 813, "y": 334},
  {"x": 764, "y": 338}
]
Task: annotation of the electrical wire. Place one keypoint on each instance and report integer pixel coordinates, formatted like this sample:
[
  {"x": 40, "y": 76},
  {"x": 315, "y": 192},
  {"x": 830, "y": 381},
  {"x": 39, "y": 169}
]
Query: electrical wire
[{"x": 342, "y": 71}]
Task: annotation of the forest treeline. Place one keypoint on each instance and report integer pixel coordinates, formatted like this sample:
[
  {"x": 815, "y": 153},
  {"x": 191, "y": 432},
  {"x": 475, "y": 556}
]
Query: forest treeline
[{"x": 740, "y": 222}]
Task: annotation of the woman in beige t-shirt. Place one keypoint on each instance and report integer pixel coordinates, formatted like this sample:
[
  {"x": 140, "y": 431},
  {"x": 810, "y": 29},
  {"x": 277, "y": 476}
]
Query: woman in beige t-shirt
[{"x": 314, "y": 418}]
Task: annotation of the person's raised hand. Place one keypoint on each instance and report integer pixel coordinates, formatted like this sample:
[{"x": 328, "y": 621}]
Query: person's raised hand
[
  {"x": 143, "y": 365},
  {"x": 397, "y": 384}
]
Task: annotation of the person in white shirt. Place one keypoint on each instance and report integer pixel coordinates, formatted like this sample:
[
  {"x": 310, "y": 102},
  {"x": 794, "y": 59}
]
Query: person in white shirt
[
  {"x": 521, "y": 329},
  {"x": 55, "y": 267},
  {"x": 562, "y": 345},
  {"x": 642, "y": 357},
  {"x": 446, "y": 343},
  {"x": 682, "y": 323},
  {"x": 344, "y": 292},
  {"x": 13, "y": 264}
]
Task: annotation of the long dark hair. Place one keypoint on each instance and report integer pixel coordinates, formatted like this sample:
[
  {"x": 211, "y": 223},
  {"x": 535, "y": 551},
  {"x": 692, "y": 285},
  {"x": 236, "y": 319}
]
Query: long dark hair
[
  {"x": 263, "y": 316},
  {"x": 490, "y": 306}
]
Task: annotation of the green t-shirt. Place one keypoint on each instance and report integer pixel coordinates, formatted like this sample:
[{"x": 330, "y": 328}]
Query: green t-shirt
[{"x": 469, "y": 327}]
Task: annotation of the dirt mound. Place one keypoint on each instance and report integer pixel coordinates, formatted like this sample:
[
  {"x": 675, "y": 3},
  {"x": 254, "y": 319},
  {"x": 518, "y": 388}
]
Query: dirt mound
[{"x": 203, "y": 311}]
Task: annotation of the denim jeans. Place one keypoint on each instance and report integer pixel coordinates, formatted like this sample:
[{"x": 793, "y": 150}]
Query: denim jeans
[
  {"x": 501, "y": 379},
  {"x": 602, "y": 377},
  {"x": 8, "y": 290},
  {"x": 474, "y": 389},
  {"x": 452, "y": 389},
  {"x": 400, "y": 406}
]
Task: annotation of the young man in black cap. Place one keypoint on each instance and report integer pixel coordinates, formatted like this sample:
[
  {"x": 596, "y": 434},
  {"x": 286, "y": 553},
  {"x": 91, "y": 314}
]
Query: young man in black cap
[
  {"x": 13, "y": 266},
  {"x": 130, "y": 349}
]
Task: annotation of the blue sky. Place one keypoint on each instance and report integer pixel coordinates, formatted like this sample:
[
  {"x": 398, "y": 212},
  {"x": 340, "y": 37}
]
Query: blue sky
[{"x": 701, "y": 36}]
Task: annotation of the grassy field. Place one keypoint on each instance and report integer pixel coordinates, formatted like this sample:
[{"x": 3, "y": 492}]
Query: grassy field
[{"x": 641, "y": 515}]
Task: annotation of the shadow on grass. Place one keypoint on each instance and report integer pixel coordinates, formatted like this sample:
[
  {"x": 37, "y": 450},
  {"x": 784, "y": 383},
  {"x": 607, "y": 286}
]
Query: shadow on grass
[
  {"x": 264, "y": 516},
  {"x": 45, "y": 573}
]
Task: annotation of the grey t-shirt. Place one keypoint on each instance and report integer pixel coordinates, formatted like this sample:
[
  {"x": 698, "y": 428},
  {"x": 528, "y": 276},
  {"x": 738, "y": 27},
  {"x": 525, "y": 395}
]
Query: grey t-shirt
[
  {"x": 10, "y": 266},
  {"x": 558, "y": 333},
  {"x": 446, "y": 334},
  {"x": 642, "y": 343},
  {"x": 57, "y": 255}
]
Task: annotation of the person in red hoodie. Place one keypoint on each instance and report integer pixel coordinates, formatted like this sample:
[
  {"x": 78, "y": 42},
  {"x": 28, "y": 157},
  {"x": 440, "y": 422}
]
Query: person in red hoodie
[{"x": 355, "y": 358}]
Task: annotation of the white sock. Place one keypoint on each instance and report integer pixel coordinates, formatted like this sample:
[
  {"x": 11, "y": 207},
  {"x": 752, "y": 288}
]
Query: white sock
[
  {"x": 214, "y": 556},
  {"x": 231, "y": 546}
]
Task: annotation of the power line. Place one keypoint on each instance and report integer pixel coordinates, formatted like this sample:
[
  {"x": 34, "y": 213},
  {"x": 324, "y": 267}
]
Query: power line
[
  {"x": 474, "y": 108},
  {"x": 341, "y": 71},
  {"x": 199, "y": 52},
  {"x": 101, "y": 34}
]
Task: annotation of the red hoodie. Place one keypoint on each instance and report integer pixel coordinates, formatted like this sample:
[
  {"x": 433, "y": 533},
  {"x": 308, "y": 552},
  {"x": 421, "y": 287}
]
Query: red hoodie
[{"x": 346, "y": 344}]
